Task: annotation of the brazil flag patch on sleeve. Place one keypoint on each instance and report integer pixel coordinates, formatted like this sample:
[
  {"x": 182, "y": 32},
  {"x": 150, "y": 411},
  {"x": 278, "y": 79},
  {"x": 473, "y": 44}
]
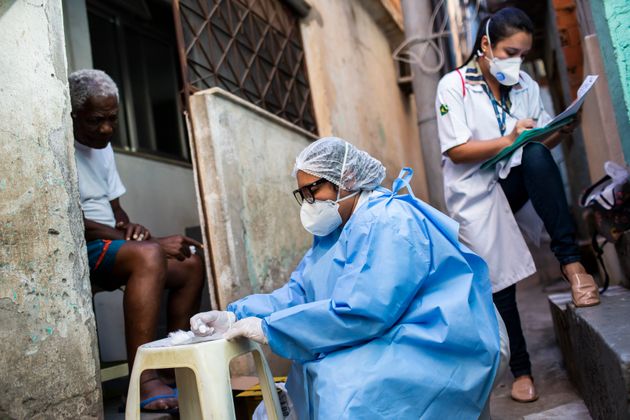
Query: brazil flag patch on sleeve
[{"x": 443, "y": 109}]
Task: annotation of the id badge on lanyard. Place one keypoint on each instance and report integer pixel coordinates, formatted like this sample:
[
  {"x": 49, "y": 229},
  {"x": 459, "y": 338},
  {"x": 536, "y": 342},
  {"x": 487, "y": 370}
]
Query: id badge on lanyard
[{"x": 500, "y": 116}]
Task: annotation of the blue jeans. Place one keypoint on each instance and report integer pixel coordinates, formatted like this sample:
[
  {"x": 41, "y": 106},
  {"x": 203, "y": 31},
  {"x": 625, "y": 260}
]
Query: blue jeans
[{"x": 537, "y": 179}]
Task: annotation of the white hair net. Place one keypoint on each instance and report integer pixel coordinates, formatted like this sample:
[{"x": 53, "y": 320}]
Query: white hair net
[
  {"x": 341, "y": 163},
  {"x": 87, "y": 83}
]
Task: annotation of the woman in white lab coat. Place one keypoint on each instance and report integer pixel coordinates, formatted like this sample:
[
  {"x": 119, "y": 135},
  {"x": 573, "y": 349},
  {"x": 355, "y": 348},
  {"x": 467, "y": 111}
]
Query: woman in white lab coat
[{"x": 482, "y": 108}]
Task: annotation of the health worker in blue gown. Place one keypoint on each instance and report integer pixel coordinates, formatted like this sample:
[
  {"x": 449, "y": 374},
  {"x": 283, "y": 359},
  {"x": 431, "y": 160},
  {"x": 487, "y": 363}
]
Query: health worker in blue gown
[{"x": 387, "y": 316}]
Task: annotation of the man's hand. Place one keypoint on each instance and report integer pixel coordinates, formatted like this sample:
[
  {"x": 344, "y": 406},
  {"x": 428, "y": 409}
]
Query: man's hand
[
  {"x": 178, "y": 246},
  {"x": 134, "y": 231}
]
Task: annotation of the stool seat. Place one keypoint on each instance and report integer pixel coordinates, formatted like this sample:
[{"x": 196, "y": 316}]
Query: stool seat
[{"x": 202, "y": 371}]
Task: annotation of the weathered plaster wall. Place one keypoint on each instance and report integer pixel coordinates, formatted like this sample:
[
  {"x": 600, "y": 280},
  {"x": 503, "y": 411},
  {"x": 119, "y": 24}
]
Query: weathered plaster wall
[
  {"x": 245, "y": 158},
  {"x": 354, "y": 86},
  {"x": 598, "y": 116},
  {"x": 612, "y": 23},
  {"x": 47, "y": 339}
]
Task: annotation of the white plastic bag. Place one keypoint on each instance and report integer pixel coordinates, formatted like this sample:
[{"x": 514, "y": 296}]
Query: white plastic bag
[
  {"x": 285, "y": 402},
  {"x": 603, "y": 193}
]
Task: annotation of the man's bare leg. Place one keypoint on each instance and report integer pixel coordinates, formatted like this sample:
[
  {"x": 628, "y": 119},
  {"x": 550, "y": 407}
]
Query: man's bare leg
[
  {"x": 144, "y": 266},
  {"x": 185, "y": 283}
]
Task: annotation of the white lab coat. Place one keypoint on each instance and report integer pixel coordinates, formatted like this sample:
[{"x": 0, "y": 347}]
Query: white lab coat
[{"x": 473, "y": 196}]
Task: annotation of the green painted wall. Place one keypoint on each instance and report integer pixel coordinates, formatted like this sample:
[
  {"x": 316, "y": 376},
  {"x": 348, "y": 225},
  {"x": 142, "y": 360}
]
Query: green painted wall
[{"x": 612, "y": 23}]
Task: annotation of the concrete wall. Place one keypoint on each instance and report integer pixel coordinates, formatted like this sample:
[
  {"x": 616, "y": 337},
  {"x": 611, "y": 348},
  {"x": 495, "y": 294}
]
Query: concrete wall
[
  {"x": 47, "y": 340},
  {"x": 245, "y": 157},
  {"x": 354, "y": 86},
  {"x": 611, "y": 19},
  {"x": 599, "y": 116}
]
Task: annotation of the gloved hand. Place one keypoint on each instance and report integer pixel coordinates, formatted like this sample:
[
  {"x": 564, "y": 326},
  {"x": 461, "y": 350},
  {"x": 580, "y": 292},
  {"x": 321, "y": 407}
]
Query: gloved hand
[
  {"x": 250, "y": 327},
  {"x": 212, "y": 322}
]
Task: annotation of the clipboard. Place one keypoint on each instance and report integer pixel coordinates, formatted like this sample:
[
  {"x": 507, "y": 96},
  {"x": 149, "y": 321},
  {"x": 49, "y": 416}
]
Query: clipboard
[{"x": 564, "y": 118}]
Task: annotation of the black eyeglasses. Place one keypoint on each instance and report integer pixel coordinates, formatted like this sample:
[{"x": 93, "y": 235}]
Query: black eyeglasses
[{"x": 305, "y": 193}]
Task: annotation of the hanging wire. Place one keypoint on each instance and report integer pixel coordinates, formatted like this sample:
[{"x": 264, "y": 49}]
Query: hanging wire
[{"x": 433, "y": 42}]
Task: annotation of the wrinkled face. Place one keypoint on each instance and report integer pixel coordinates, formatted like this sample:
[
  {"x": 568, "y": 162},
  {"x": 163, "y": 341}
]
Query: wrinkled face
[
  {"x": 516, "y": 45},
  {"x": 94, "y": 124}
]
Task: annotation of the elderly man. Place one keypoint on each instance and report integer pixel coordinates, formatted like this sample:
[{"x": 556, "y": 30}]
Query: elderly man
[{"x": 125, "y": 253}]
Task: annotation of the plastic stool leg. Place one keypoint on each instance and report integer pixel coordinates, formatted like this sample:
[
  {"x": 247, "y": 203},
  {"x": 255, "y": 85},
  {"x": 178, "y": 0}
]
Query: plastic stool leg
[
  {"x": 188, "y": 399},
  {"x": 216, "y": 391},
  {"x": 132, "y": 408},
  {"x": 268, "y": 387}
]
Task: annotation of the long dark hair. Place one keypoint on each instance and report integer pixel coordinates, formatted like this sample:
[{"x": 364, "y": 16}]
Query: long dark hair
[{"x": 503, "y": 24}]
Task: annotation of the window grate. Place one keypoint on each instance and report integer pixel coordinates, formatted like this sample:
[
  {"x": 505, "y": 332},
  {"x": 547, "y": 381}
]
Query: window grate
[{"x": 251, "y": 48}]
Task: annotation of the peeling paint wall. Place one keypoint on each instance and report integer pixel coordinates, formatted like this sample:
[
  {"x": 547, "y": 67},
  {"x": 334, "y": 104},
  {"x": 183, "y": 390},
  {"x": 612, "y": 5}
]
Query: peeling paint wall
[
  {"x": 354, "y": 85},
  {"x": 49, "y": 359},
  {"x": 612, "y": 23},
  {"x": 618, "y": 16}
]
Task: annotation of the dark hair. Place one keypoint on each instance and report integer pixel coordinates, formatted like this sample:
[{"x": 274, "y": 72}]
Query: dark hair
[{"x": 503, "y": 24}]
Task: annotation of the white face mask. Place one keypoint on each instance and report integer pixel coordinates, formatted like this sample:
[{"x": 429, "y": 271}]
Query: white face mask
[
  {"x": 322, "y": 217},
  {"x": 505, "y": 70}
]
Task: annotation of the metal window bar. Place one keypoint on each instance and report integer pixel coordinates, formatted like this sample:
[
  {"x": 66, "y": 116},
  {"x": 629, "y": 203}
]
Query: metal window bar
[{"x": 252, "y": 48}]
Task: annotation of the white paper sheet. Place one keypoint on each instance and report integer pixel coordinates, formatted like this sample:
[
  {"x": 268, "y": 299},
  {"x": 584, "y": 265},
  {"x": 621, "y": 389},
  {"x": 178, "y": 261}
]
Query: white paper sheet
[{"x": 572, "y": 109}]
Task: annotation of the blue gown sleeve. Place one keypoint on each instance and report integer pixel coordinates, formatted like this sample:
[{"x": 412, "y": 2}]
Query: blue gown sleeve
[
  {"x": 261, "y": 305},
  {"x": 385, "y": 265}
]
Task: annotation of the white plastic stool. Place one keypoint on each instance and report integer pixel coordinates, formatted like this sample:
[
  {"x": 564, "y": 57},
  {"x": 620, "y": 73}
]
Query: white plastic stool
[{"x": 202, "y": 371}]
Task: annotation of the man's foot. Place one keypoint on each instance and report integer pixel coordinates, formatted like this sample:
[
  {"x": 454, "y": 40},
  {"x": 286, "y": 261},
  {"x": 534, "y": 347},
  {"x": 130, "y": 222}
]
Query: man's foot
[
  {"x": 167, "y": 376},
  {"x": 523, "y": 389},
  {"x": 584, "y": 290},
  {"x": 151, "y": 386}
]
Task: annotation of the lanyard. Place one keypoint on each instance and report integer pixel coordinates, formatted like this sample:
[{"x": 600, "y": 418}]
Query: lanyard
[{"x": 500, "y": 117}]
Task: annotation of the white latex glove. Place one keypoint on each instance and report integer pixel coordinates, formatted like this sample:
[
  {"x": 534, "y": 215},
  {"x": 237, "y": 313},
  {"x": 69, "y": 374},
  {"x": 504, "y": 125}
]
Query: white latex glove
[
  {"x": 212, "y": 323},
  {"x": 250, "y": 327}
]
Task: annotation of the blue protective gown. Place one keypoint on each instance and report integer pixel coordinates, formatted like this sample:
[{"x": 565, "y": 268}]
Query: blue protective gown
[{"x": 388, "y": 317}]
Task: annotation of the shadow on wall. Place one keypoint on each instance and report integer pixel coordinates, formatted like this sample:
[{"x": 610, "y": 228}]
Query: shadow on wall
[{"x": 5, "y": 5}]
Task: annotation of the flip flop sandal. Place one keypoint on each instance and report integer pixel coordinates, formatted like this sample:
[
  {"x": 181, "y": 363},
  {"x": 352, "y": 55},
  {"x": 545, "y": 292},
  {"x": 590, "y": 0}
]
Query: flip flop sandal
[{"x": 148, "y": 401}]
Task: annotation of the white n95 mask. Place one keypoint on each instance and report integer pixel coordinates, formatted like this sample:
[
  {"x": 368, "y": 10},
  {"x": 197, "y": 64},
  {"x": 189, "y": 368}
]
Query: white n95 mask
[
  {"x": 505, "y": 70},
  {"x": 322, "y": 217}
]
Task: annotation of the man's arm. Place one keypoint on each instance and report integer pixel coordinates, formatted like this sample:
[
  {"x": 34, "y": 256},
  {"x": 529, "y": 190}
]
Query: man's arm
[
  {"x": 119, "y": 214},
  {"x": 175, "y": 246},
  {"x": 131, "y": 230},
  {"x": 95, "y": 230}
]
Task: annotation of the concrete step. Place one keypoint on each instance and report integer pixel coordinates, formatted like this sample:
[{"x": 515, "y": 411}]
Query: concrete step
[
  {"x": 575, "y": 411},
  {"x": 595, "y": 344}
]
